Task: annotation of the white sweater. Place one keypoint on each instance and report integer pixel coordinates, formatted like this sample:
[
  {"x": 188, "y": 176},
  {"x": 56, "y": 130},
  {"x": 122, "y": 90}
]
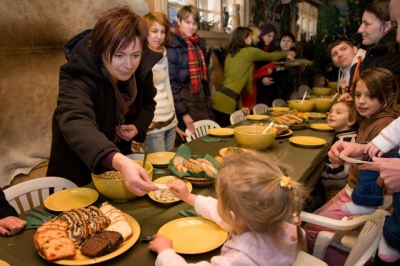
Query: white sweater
[
  {"x": 389, "y": 137},
  {"x": 165, "y": 102}
]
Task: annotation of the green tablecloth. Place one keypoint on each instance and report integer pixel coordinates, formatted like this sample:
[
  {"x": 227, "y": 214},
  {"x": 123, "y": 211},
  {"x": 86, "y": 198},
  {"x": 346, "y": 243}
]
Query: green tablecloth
[{"x": 151, "y": 215}]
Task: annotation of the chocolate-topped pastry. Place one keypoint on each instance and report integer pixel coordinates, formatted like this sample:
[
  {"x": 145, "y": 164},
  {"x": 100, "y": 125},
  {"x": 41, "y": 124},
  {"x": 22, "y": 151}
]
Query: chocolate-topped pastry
[
  {"x": 114, "y": 237},
  {"x": 95, "y": 246}
]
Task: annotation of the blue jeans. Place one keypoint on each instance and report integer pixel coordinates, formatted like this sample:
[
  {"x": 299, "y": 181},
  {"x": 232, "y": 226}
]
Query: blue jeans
[{"x": 161, "y": 141}]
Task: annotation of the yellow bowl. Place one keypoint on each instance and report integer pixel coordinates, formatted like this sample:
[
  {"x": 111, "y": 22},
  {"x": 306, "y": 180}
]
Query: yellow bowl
[
  {"x": 306, "y": 106},
  {"x": 333, "y": 85},
  {"x": 322, "y": 105},
  {"x": 321, "y": 91},
  {"x": 279, "y": 109},
  {"x": 111, "y": 184},
  {"x": 250, "y": 136}
]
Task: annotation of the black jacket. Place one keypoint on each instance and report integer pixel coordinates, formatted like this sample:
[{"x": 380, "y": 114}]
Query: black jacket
[
  {"x": 384, "y": 54},
  {"x": 84, "y": 121}
]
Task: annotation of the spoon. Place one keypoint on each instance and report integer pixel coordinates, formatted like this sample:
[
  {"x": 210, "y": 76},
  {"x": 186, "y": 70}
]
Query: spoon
[
  {"x": 268, "y": 127},
  {"x": 334, "y": 96},
  {"x": 145, "y": 149},
  {"x": 304, "y": 96}
]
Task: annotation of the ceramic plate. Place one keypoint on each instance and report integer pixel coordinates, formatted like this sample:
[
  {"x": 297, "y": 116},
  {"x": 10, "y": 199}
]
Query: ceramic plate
[
  {"x": 164, "y": 180},
  {"x": 321, "y": 127},
  {"x": 223, "y": 150},
  {"x": 221, "y": 132},
  {"x": 193, "y": 235},
  {"x": 279, "y": 109},
  {"x": 257, "y": 117},
  {"x": 80, "y": 259},
  {"x": 307, "y": 142},
  {"x": 352, "y": 160},
  {"x": 285, "y": 135},
  {"x": 160, "y": 159},
  {"x": 71, "y": 198}
]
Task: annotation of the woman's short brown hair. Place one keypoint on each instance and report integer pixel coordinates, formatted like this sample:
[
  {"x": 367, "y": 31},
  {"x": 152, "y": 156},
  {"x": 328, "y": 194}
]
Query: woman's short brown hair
[
  {"x": 115, "y": 29},
  {"x": 185, "y": 11},
  {"x": 161, "y": 18}
]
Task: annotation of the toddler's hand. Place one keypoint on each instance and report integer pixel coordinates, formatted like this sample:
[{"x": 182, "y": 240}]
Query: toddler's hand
[
  {"x": 179, "y": 189},
  {"x": 160, "y": 243},
  {"x": 372, "y": 150}
]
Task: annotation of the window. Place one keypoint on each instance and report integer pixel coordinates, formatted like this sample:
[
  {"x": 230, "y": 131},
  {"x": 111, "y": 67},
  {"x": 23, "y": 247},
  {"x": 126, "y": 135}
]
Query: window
[{"x": 307, "y": 22}]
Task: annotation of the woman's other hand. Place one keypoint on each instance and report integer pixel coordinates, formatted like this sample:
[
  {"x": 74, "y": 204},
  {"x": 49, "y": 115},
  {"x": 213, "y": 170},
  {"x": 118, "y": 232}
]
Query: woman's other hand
[
  {"x": 160, "y": 243},
  {"x": 267, "y": 81},
  {"x": 11, "y": 225},
  {"x": 135, "y": 177},
  {"x": 291, "y": 55},
  {"x": 126, "y": 132},
  {"x": 181, "y": 134},
  {"x": 189, "y": 122}
]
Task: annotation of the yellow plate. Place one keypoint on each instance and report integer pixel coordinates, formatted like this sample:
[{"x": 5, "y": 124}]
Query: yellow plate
[
  {"x": 257, "y": 117},
  {"x": 321, "y": 127},
  {"x": 70, "y": 198},
  {"x": 164, "y": 180},
  {"x": 160, "y": 159},
  {"x": 307, "y": 142},
  {"x": 80, "y": 259},
  {"x": 221, "y": 132},
  {"x": 223, "y": 150},
  {"x": 193, "y": 235},
  {"x": 285, "y": 135},
  {"x": 316, "y": 116},
  {"x": 4, "y": 263}
]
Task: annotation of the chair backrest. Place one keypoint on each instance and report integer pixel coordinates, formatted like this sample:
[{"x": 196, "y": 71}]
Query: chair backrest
[
  {"x": 237, "y": 116},
  {"x": 279, "y": 103},
  {"x": 303, "y": 89},
  {"x": 260, "y": 108},
  {"x": 360, "y": 250},
  {"x": 29, "y": 194},
  {"x": 201, "y": 129}
]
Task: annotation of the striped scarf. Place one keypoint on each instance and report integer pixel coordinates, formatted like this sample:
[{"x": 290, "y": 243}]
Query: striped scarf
[{"x": 197, "y": 68}]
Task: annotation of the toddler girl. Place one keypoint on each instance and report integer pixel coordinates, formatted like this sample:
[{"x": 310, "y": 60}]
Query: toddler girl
[{"x": 256, "y": 204}]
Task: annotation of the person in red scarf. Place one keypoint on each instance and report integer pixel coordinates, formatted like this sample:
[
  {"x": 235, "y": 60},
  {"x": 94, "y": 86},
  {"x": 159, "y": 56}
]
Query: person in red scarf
[{"x": 188, "y": 73}]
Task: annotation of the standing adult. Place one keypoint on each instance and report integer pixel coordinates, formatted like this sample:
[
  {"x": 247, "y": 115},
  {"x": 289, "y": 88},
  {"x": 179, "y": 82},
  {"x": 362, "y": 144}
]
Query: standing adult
[
  {"x": 378, "y": 32},
  {"x": 347, "y": 57},
  {"x": 188, "y": 72},
  {"x": 267, "y": 36},
  {"x": 238, "y": 74},
  {"x": 161, "y": 134},
  {"x": 105, "y": 100}
]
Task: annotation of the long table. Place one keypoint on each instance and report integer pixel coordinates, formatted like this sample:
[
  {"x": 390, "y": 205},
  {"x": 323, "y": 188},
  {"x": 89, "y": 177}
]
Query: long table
[{"x": 151, "y": 215}]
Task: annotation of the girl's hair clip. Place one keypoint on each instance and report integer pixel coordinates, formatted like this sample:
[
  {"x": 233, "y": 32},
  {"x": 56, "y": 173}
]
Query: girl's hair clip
[
  {"x": 285, "y": 182},
  {"x": 296, "y": 219}
]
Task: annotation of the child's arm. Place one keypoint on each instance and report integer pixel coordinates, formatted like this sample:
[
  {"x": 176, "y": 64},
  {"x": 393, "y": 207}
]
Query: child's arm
[{"x": 180, "y": 190}]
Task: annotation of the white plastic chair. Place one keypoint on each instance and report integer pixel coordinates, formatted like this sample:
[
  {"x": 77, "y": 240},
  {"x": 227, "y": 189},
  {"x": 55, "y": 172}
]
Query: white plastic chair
[
  {"x": 237, "y": 116},
  {"x": 303, "y": 89},
  {"x": 279, "y": 103},
  {"x": 201, "y": 129},
  {"x": 260, "y": 108},
  {"x": 30, "y": 194},
  {"x": 360, "y": 245}
]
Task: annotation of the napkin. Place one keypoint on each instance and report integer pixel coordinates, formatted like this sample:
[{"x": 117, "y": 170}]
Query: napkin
[
  {"x": 188, "y": 213},
  {"x": 213, "y": 139},
  {"x": 186, "y": 152},
  {"x": 32, "y": 222}
]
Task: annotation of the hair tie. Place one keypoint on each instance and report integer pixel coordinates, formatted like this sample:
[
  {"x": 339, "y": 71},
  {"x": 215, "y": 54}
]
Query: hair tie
[
  {"x": 285, "y": 180},
  {"x": 296, "y": 219}
]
